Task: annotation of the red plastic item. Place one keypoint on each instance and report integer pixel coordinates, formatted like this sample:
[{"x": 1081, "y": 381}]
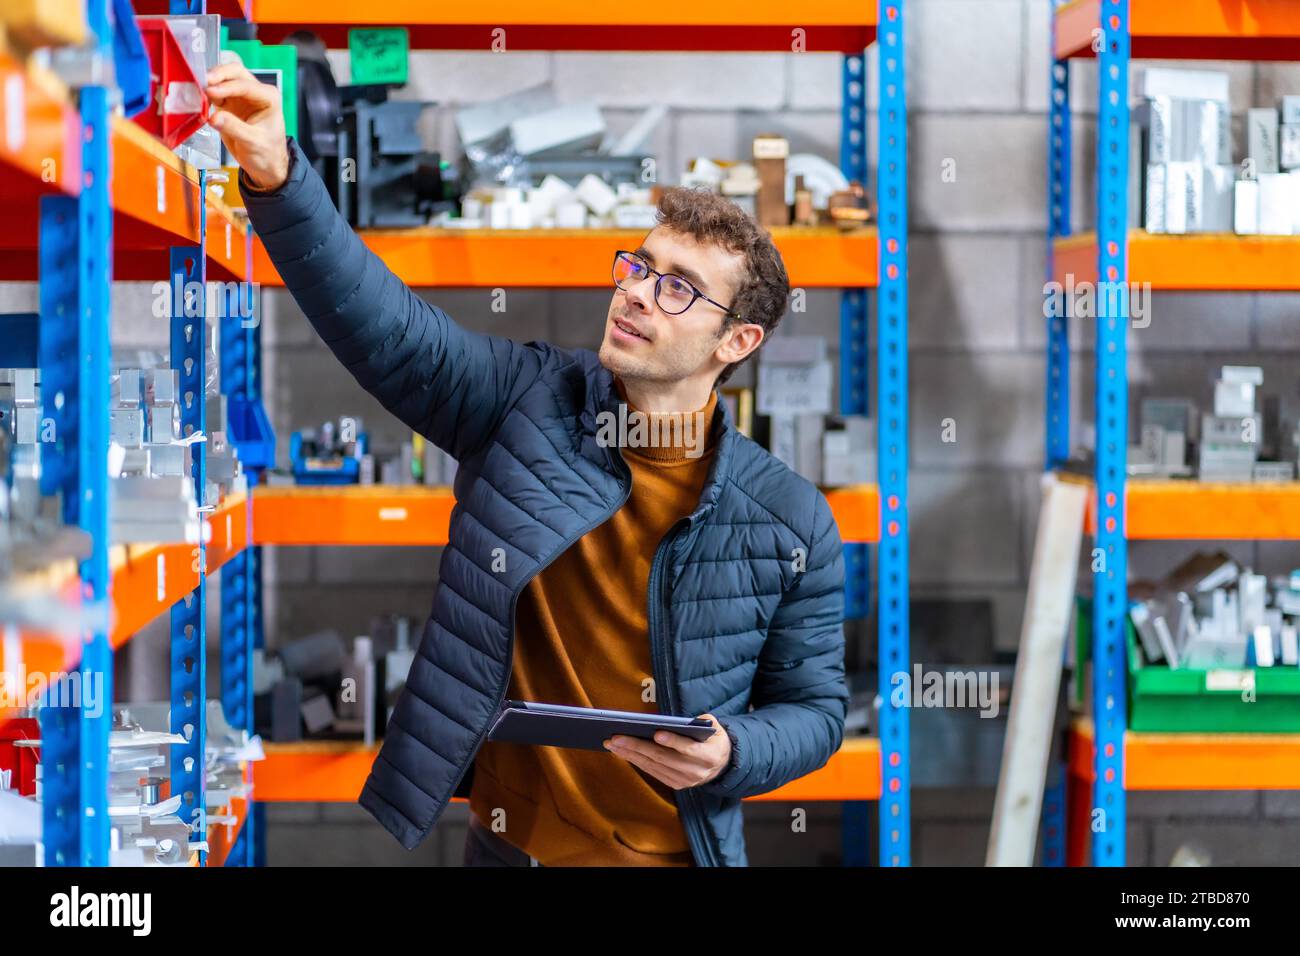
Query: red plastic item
[
  {"x": 167, "y": 65},
  {"x": 21, "y": 760}
]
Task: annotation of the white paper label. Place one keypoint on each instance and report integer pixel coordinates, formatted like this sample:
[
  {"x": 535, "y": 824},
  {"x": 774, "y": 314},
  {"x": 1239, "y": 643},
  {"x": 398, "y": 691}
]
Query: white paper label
[
  {"x": 15, "y": 113},
  {"x": 1233, "y": 680}
]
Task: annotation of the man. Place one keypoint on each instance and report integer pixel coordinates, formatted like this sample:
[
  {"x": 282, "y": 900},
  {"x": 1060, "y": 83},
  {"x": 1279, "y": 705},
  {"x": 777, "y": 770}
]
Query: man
[{"x": 694, "y": 575}]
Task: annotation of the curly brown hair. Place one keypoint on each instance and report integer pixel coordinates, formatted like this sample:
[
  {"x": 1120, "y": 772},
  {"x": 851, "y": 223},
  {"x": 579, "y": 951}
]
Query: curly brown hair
[{"x": 764, "y": 290}]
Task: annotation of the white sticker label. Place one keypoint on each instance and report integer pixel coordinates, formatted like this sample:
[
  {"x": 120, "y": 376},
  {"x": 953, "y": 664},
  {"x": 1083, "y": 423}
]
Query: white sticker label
[
  {"x": 392, "y": 514},
  {"x": 1233, "y": 680},
  {"x": 15, "y": 113},
  {"x": 227, "y": 240},
  {"x": 162, "y": 191},
  {"x": 230, "y": 530},
  {"x": 162, "y": 578}
]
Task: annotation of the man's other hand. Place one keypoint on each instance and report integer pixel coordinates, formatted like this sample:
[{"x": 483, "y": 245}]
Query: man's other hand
[
  {"x": 675, "y": 759},
  {"x": 251, "y": 123}
]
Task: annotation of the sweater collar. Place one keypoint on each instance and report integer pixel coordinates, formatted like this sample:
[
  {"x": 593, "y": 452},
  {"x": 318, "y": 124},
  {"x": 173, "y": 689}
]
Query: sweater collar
[{"x": 604, "y": 397}]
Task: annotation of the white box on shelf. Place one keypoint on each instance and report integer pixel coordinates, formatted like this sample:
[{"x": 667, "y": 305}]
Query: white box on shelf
[
  {"x": 1153, "y": 219},
  {"x": 1261, "y": 140},
  {"x": 1288, "y": 156},
  {"x": 1276, "y": 204},
  {"x": 1245, "y": 209},
  {"x": 1217, "y": 199},
  {"x": 1183, "y": 84}
]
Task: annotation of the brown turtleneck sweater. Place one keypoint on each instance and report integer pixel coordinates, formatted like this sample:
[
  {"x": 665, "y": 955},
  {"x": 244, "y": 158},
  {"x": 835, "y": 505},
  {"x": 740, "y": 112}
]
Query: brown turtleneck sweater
[{"x": 582, "y": 638}]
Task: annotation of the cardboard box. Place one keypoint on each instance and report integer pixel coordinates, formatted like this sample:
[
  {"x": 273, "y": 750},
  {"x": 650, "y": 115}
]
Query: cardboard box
[{"x": 770, "y": 154}]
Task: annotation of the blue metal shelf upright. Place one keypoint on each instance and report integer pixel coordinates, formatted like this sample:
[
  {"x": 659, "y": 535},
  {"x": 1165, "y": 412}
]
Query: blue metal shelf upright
[
  {"x": 75, "y": 246},
  {"x": 1110, "y": 579}
]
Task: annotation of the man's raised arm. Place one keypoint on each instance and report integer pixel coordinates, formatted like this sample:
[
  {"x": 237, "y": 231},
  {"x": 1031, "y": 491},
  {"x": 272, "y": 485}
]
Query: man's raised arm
[{"x": 451, "y": 385}]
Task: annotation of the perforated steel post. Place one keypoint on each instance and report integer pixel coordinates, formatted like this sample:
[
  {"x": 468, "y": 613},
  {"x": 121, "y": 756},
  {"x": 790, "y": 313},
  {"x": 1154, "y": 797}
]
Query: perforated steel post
[
  {"x": 891, "y": 390},
  {"x": 75, "y": 282},
  {"x": 1058, "y": 225},
  {"x": 1110, "y": 587},
  {"x": 188, "y": 616}
]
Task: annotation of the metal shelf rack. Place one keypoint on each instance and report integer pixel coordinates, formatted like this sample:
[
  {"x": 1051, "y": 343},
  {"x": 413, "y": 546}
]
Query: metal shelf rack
[
  {"x": 855, "y": 262},
  {"x": 121, "y": 205},
  {"x": 1115, "y": 31},
  {"x": 210, "y": 236}
]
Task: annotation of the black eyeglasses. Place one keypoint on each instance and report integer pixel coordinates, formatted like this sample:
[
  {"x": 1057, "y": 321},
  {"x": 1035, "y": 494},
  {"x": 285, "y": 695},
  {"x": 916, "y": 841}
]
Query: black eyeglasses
[{"x": 673, "y": 294}]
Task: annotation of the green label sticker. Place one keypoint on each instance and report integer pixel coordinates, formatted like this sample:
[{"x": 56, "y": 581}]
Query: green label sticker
[{"x": 379, "y": 54}]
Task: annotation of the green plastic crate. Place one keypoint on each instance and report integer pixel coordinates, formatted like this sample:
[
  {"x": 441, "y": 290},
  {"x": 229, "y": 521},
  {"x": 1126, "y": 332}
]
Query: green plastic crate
[
  {"x": 263, "y": 56},
  {"x": 1224, "y": 700}
]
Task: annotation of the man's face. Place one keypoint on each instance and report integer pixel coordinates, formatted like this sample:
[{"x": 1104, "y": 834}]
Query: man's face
[{"x": 644, "y": 343}]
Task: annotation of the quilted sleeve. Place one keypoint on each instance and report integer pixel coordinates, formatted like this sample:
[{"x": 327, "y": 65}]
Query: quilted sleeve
[{"x": 800, "y": 697}]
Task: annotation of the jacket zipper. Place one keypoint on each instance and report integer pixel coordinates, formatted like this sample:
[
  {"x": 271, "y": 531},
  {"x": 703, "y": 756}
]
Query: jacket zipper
[
  {"x": 701, "y": 847},
  {"x": 510, "y": 643},
  {"x": 665, "y": 678}
]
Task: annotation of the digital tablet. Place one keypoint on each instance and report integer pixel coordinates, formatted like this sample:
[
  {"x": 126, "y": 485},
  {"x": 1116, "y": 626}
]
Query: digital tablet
[{"x": 585, "y": 728}]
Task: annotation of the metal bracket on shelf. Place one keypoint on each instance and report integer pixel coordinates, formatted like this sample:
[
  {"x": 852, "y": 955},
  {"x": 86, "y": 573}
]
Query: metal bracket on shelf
[
  {"x": 891, "y": 404},
  {"x": 1110, "y": 581}
]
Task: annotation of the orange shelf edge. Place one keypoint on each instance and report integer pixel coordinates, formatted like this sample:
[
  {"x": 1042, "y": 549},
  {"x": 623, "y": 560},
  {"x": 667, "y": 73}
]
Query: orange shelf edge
[
  {"x": 1196, "y": 263},
  {"x": 726, "y": 25},
  {"x": 43, "y": 144},
  {"x": 1196, "y": 761},
  {"x": 150, "y": 579},
  {"x": 580, "y": 258},
  {"x": 336, "y": 771},
  {"x": 419, "y": 515},
  {"x": 223, "y": 836},
  {"x": 1202, "y": 511},
  {"x": 1189, "y": 29}
]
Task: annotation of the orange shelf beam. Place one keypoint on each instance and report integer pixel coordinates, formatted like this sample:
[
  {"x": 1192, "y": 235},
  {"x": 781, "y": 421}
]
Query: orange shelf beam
[
  {"x": 830, "y": 25},
  {"x": 1202, "y": 511},
  {"x": 580, "y": 258},
  {"x": 419, "y": 515},
  {"x": 351, "y": 515},
  {"x": 1189, "y": 29},
  {"x": 1196, "y": 761},
  {"x": 149, "y": 579},
  {"x": 1207, "y": 262},
  {"x": 155, "y": 198},
  {"x": 43, "y": 142},
  {"x": 222, "y": 836},
  {"x": 329, "y": 771}
]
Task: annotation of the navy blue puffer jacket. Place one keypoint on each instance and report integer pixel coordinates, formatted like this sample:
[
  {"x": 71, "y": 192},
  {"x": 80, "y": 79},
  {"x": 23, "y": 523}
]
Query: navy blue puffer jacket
[{"x": 746, "y": 594}]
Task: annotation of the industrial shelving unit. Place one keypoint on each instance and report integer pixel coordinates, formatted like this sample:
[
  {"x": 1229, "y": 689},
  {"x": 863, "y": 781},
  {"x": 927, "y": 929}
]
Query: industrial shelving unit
[
  {"x": 1104, "y": 757},
  {"x": 165, "y": 225},
  {"x": 854, "y": 262},
  {"x": 117, "y": 204}
]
